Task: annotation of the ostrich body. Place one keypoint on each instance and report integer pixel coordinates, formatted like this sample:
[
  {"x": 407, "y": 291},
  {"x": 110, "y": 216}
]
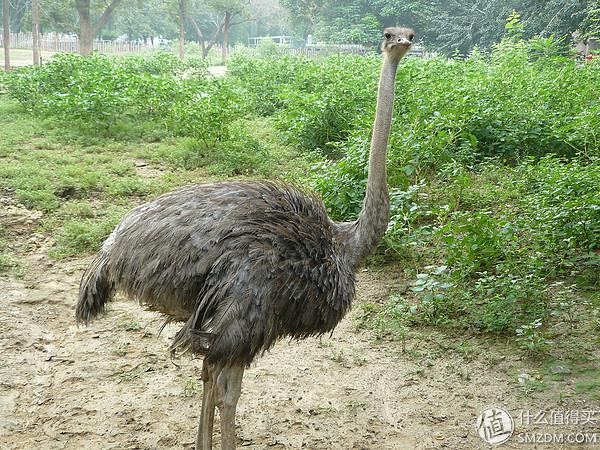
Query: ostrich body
[{"x": 244, "y": 263}]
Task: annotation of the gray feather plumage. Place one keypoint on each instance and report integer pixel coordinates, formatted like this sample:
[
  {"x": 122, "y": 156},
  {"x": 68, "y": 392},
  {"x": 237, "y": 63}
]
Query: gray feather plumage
[{"x": 241, "y": 263}]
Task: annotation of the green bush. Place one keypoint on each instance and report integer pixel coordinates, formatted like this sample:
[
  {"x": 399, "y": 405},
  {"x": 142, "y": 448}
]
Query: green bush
[
  {"x": 267, "y": 80},
  {"x": 239, "y": 154},
  {"x": 509, "y": 104},
  {"x": 92, "y": 91},
  {"x": 561, "y": 209},
  {"x": 205, "y": 110},
  {"x": 477, "y": 241},
  {"x": 99, "y": 93},
  {"x": 501, "y": 302}
]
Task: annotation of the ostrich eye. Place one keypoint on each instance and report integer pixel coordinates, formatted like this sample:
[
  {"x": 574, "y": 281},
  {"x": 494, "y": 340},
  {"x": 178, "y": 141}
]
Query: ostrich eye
[
  {"x": 387, "y": 35},
  {"x": 411, "y": 37}
]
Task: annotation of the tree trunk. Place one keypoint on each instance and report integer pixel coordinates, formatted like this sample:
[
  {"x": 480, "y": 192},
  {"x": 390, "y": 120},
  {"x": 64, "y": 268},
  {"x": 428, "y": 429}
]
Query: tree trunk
[
  {"x": 88, "y": 30},
  {"x": 6, "y": 35},
  {"x": 206, "y": 47},
  {"x": 201, "y": 39},
  {"x": 226, "y": 26},
  {"x": 181, "y": 29},
  {"x": 35, "y": 29},
  {"x": 86, "y": 38}
]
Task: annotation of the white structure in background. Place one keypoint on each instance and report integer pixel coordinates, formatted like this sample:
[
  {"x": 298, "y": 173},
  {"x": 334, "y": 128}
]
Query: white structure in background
[
  {"x": 314, "y": 48},
  {"x": 279, "y": 40},
  {"x": 69, "y": 42}
]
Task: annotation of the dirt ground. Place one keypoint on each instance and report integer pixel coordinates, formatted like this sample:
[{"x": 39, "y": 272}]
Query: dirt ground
[{"x": 114, "y": 385}]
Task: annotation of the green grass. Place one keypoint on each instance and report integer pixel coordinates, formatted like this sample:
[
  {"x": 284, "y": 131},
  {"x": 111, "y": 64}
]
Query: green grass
[
  {"x": 9, "y": 264},
  {"x": 82, "y": 189},
  {"x": 23, "y": 57},
  {"x": 85, "y": 183},
  {"x": 590, "y": 384}
]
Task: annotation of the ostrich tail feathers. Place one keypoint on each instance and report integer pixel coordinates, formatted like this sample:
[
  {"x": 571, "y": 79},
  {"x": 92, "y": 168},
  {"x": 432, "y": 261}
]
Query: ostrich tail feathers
[{"x": 95, "y": 290}]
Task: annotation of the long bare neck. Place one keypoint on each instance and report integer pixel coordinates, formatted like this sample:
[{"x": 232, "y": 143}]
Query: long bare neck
[{"x": 364, "y": 235}]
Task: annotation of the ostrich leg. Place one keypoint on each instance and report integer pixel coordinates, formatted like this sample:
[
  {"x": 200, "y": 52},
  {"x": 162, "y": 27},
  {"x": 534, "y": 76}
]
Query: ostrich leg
[
  {"x": 207, "y": 415},
  {"x": 228, "y": 388}
]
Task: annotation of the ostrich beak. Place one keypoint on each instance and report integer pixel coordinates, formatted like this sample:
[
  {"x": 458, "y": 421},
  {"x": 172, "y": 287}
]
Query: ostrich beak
[{"x": 404, "y": 42}]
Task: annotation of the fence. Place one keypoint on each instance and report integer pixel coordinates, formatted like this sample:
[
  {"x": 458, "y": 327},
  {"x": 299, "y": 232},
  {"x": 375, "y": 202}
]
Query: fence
[
  {"x": 317, "y": 52},
  {"x": 309, "y": 52},
  {"x": 58, "y": 42}
]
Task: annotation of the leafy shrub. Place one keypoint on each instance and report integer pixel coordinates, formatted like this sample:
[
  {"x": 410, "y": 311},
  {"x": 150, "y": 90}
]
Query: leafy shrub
[
  {"x": 410, "y": 226},
  {"x": 267, "y": 80},
  {"x": 164, "y": 63},
  {"x": 497, "y": 303},
  {"x": 203, "y": 110},
  {"x": 509, "y": 104},
  {"x": 531, "y": 339},
  {"x": 239, "y": 154},
  {"x": 90, "y": 90},
  {"x": 563, "y": 199},
  {"x": 316, "y": 102},
  {"x": 330, "y": 97},
  {"x": 433, "y": 307},
  {"x": 501, "y": 302},
  {"x": 561, "y": 209},
  {"x": 476, "y": 241},
  {"x": 101, "y": 93}
]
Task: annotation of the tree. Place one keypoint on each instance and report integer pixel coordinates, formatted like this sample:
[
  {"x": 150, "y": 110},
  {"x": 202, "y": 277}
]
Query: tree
[
  {"x": 217, "y": 18},
  {"x": 443, "y": 25},
  {"x": 35, "y": 30},
  {"x": 233, "y": 12},
  {"x": 87, "y": 29},
  {"x": 207, "y": 44},
  {"x": 6, "y": 34},
  {"x": 271, "y": 19},
  {"x": 18, "y": 9},
  {"x": 142, "y": 19},
  {"x": 590, "y": 26},
  {"x": 551, "y": 17},
  {"x": 303, "y": 16},
  {"x": 181, "y": 18}
]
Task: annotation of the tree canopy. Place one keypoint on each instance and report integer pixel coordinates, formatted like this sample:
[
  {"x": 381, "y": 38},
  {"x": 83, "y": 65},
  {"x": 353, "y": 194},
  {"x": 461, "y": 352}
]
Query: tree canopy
[{"x": 443, "y": 25}]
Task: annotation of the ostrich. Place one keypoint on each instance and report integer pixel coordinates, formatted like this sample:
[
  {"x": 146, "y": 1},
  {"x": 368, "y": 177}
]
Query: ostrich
[{"x": 245, "y": 263}]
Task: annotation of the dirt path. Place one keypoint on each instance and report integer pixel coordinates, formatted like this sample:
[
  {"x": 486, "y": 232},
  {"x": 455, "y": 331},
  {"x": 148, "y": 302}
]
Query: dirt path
[{"x": 114, "y": 386}]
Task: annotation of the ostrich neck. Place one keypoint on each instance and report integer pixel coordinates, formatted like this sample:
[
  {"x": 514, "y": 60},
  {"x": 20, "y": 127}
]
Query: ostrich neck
[{"x": 364, "y": 235}]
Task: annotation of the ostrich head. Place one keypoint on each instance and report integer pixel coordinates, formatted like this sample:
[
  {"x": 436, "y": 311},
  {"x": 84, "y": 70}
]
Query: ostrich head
[{"x": 397, "y": 41}]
